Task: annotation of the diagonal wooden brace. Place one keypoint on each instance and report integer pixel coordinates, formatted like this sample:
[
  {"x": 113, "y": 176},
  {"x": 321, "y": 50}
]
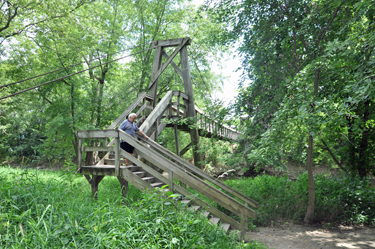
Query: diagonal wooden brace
[{"x": 164, "y": 66}]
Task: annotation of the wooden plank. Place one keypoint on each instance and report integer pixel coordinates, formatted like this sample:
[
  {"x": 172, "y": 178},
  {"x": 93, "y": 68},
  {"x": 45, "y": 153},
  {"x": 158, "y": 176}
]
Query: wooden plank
[
  {"x": 200, "y": 173},
  {"x": 155, "y": 114},
  {"x": 182, "y": 191},
  {"x": 198, "y": 159},
  {"x": 117, "y": 156},
  {"x": 176, "y": 140},
  {"x": 176, "y": 68},
  {"x": 184, "y": 150},
  {"x": 141, "y": 109},
  {"x": 79, "y": 156},
  {"x": 164, "y": 66},
  {"x": 97, "y": 133},
  {"x": 191, "y": 180},
  {"x": 170, "y": 42},
  {"x": 93, "y": 148},
  {"x": 153, "y": 89},
  {"x": 122, "y": 117},
  {"x": 136, "y": 181}
]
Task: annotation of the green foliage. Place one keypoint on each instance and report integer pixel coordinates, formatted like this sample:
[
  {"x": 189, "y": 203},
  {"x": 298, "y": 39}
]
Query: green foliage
[
  {"x": 338, "y": 199},
  {"x": 311, "y": 70},
  {"x": 39, "y": 209}
]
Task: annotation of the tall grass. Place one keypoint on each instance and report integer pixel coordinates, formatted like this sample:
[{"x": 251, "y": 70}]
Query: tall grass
[
  {"x": 345, "y": 200},
  {"x": 51, "y": 209}
]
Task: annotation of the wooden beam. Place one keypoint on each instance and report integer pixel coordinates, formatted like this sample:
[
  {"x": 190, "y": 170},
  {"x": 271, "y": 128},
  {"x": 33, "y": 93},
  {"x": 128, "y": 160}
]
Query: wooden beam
[
  {"x": 170, "y": 42},
  {"x": 97, "y": 134},
  {"x": 122, "y": 117},
  {"x": 164, "y": 66},
  {"x": 93, "y": 148},
  {"x": 155, "y": 114},
  {"x": 186, "y": 149},
  {"x": 153, "y": 88},
  {"x": 176, "y": 68}
]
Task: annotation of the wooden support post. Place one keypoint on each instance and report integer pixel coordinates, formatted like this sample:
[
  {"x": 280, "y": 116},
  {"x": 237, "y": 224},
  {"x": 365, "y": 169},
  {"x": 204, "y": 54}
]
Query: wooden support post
[
  {"x": 176, "y": 139},
  {"x": 105, "y": 142},
  {"x": 244, "y": 224},
  {"x": 191, "y": 106},
  {"x": 117, "y": 156},
  {"x": 79, "y": 156},
  {"x": 124, "y": 185},
  {"x": 95, "y": 180},
  {"x": 155, "y": 68},
  {"x": 170, "y": 174}
]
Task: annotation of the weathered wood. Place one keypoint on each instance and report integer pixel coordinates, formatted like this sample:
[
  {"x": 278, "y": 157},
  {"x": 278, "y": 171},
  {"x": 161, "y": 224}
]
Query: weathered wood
[
  {"x": 97, "y": 133},
  {"x": 153, "y": 88},
  {"x": 135, "y": 180},
  {"x": 117, "y": 156},
  {"x": 124, "y": 186},
  {"x": 93, "y": 148},
  {"x": 170, "y": 42},
  {"x": 141, "y": 109},
  {"x": 244, "y": 224},
  {"x": 198, "y": 159},
  {"x": 176, "y": 140},
  {"x": 200, "y": 173},
  {"x": 176, "y": 68},
  {"x": 182, "y": 191},
  {"x": 95, "y": 180},
  {"x": 155, "y": 114},
  {"x": 186, "y": 149},
  {"x": 103, "y": 170},
  {"x": 121, "y": 118},
  {"x": 156, "y": 76},
  {"x": 191, "y": 180},
  {"x": 79, "y": 156},
  {"x": 170, "y": 176}
]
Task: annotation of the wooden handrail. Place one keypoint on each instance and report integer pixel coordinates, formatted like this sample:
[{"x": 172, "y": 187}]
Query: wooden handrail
[
  {"x": 196, "y": 183},
  {"x": 199, "y": 172}
]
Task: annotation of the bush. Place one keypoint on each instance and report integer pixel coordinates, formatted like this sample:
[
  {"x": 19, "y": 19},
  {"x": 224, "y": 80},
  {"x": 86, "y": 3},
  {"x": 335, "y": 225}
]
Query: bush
[{"x": 337, "y": 199}]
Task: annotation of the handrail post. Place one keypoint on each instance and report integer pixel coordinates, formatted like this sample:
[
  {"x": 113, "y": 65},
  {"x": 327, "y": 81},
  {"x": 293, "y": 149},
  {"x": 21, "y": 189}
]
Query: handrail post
[
  {"x": 79, "y": 153},
  {"x": 170, "y": 174},
  {"x": 244, "y": 224},
  {"x": 117, "y": 156}
]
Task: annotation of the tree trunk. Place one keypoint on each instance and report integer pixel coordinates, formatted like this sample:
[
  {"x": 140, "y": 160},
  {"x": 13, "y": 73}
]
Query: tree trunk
[
  {"x": 309, "y": 217},
  {"x": 363, "y": 162}
]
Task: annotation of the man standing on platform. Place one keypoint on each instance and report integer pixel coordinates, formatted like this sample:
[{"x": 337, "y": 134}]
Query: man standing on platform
[{"x": 130, "y": 127}]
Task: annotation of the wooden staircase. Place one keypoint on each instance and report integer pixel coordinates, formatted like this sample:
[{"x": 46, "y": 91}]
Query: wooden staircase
[
  {"x": 145, "y": 174},
  {"x": 176, "y": 109}
]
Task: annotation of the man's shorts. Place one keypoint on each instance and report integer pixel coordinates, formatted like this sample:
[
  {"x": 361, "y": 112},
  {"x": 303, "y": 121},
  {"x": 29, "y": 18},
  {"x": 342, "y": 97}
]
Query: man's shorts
[{"x": 127, "y": 147}]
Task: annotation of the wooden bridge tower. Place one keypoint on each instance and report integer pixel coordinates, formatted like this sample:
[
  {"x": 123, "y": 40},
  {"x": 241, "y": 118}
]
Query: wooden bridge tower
[{"x": 157, "y": 69}]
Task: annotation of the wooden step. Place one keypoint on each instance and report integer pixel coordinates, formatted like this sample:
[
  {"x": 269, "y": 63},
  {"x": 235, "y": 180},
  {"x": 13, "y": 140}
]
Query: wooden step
[
  {"x": 112, "y": 161},
  {"x": 225, "y": 226},
  {"x": 149, "y": 179},
  {"x": 214, "y": 220},
  {"x": 157, "y": 184},
  {"x": 186, "y": 201},
  {"x": 133, "y": 168},
  {"x": 194, "y": 208},
  {"x": 140, "y": 173},
  {"x": 206, "y": 214}
]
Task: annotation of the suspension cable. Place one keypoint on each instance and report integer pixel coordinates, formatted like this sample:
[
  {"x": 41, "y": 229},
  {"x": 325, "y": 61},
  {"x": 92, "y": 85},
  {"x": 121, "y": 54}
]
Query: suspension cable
[
  {"x": 57, "y": 70},
  {"x": 66, "y": 76}
]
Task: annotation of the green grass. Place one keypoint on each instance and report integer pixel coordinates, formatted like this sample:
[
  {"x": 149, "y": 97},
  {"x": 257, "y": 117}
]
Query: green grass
[
  {"x": 53, "y": 209},
  {"x": 345, "y": 200}
]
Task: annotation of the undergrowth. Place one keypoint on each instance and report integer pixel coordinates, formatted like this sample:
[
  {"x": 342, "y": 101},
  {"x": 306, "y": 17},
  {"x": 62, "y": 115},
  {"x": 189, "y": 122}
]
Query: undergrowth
[
  {"x": 343, "y": 200},
  {"x": 51, "y": 209}
]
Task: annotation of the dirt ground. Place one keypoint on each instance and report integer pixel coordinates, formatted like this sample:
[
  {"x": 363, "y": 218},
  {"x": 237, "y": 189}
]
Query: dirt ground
[{"x": 301, "y": 237}]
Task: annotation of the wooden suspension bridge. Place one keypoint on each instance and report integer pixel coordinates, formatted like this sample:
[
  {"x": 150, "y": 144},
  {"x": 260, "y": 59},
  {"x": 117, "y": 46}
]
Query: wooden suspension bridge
[{"x": 152, "y": 158}]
